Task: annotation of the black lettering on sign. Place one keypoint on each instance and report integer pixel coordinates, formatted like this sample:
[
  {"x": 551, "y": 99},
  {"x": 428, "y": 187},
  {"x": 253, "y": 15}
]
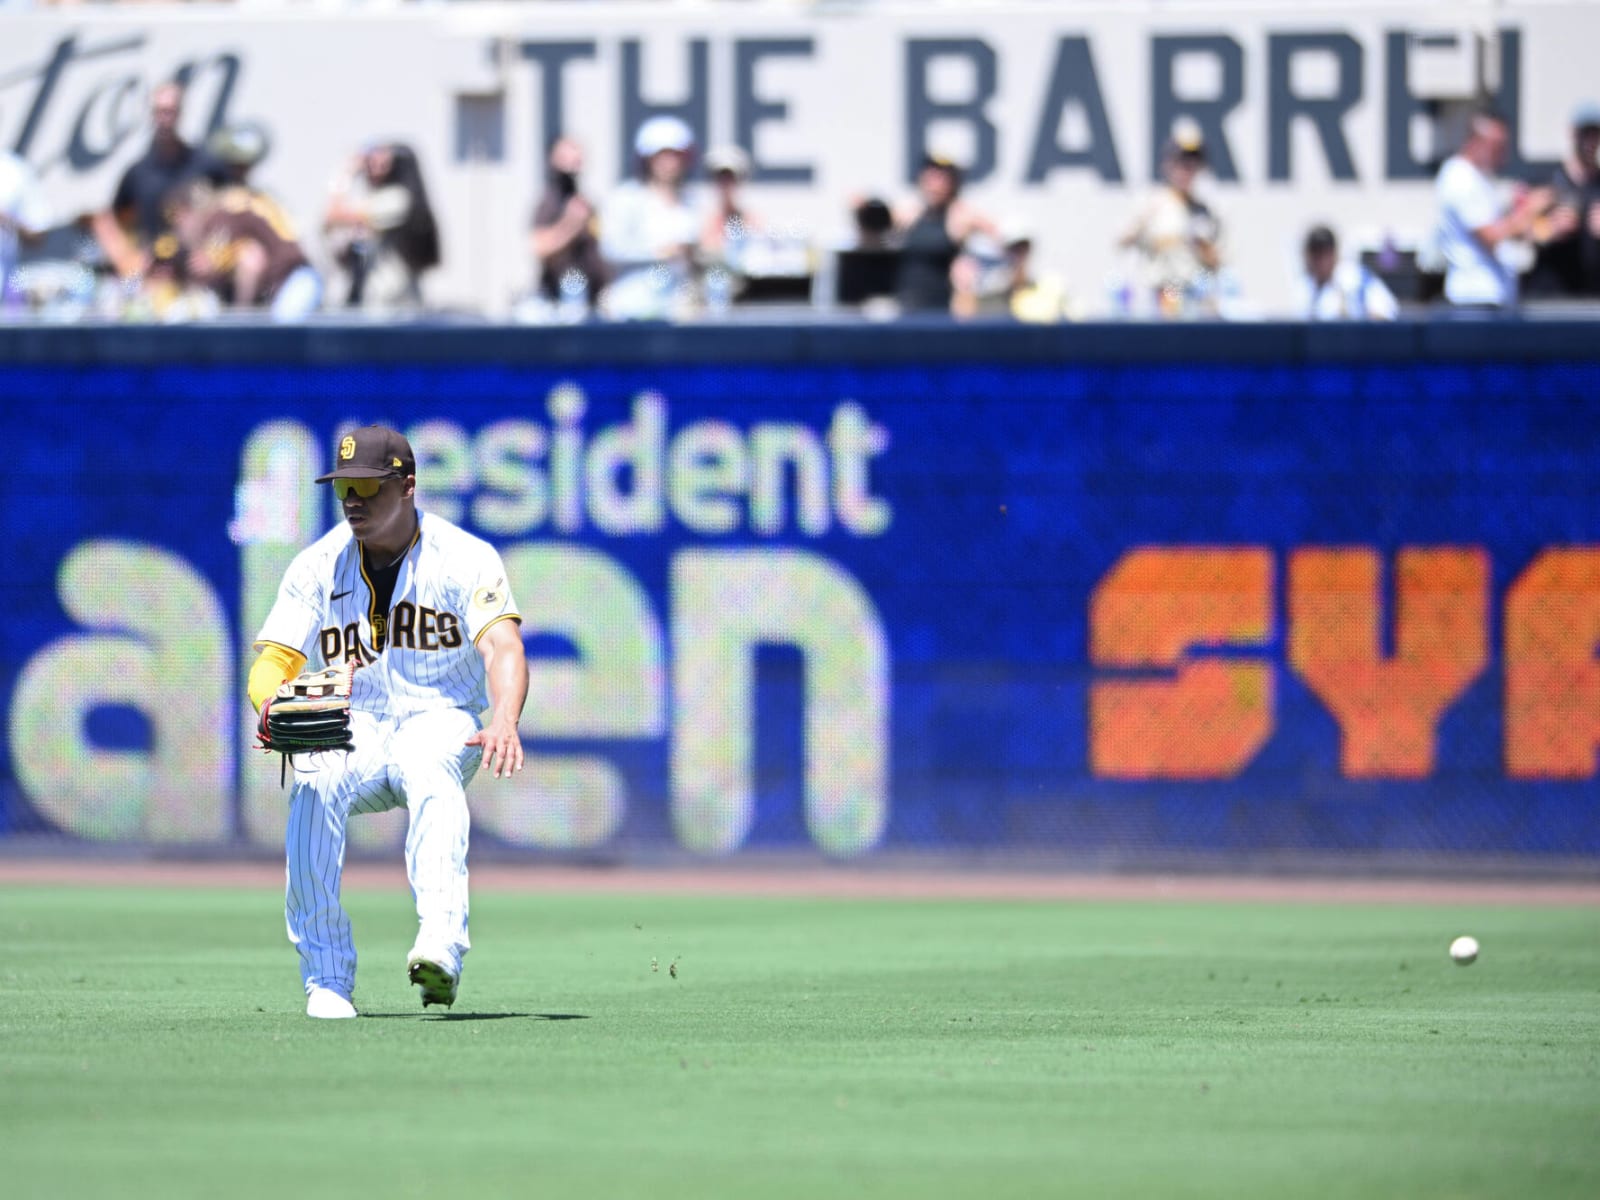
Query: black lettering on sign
[
  {"x": 1073, "y": 82},
  {"x": 750, "y": 109},
  {"x": 49, "y": 76},
  {"x": 1208, "y": 112},
  {"x": 1507, "y": 101},
  {"x": 636, "y": 110},
  {"x": 227, "y": 66},
  {"x": 113, "y": 113},
  {"x": 923, "y": 111},
  {"x": 112, "y": 109},
  {"x": 552, "y": 58},
  {"x": 1403, "y": 108},
  {"x": 1326, "y": 113}
]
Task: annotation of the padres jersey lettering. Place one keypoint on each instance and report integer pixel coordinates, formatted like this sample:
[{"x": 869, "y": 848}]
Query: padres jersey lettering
[{"x": 418, "y": 644}]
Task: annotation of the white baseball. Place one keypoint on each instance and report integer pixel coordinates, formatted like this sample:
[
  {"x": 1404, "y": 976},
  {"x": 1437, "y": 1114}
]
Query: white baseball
[{"x": 1464, "y": 950}]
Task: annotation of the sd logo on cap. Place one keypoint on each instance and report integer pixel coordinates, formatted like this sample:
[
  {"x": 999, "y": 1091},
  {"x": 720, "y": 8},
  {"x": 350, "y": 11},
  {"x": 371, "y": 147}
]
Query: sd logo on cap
[{"x": 372, "y": 452}]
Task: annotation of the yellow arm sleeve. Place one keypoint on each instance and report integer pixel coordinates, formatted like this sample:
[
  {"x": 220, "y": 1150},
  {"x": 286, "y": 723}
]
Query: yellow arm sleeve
[{"x": 276, "y": 664}]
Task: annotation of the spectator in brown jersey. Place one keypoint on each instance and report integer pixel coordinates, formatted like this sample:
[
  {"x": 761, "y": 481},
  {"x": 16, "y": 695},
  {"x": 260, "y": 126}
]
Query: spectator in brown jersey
[
  {"x": 233, "y": 153},
  {"x": 241, "y": 249}
]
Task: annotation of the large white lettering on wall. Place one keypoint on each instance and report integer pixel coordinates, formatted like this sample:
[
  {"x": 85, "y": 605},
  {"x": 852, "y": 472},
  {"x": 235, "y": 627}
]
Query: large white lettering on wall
[{"x": 157, "y": 642}]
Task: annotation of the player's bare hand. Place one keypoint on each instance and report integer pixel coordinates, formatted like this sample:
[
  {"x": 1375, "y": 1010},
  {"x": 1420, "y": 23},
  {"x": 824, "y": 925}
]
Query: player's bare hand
[{"x": 502, "y": 749}]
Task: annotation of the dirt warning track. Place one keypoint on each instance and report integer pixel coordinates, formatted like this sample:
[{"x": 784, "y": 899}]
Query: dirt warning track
[{"x": 834, "y": 882}]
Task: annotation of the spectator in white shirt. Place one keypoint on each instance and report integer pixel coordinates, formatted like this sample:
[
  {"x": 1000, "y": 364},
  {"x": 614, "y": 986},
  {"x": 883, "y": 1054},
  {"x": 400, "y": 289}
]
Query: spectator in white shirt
[
  {"x": 1478, "y": 235},
  {"x": 1176, "y": 236},
  {"x": 1331, "y": 290},
  {"x": 648, "y": 228},
  {"x": 24, "y": 215}
]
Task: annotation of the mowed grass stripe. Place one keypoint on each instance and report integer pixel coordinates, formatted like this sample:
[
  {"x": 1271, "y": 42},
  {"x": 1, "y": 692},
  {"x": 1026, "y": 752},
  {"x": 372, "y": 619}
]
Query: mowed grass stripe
[{"x": 153, "y": 1042}]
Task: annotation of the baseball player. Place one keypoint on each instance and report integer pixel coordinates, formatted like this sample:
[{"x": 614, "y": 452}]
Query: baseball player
[{"x": 426, "y": 611}]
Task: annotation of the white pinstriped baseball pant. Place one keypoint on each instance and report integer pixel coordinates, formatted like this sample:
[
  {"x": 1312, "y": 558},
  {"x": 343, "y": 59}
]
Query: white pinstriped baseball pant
[{"x": 423, "y": 763}]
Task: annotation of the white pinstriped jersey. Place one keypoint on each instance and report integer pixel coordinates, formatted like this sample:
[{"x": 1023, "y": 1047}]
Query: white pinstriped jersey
[{"x": 452, "y": 586}]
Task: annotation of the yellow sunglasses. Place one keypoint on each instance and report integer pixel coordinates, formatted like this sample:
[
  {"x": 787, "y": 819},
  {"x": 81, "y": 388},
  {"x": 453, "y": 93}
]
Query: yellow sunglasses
[{"x": 365, "y": 488}]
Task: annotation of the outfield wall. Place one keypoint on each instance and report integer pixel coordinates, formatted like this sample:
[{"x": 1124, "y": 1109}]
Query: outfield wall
[{"x": 1107, "y": 593}]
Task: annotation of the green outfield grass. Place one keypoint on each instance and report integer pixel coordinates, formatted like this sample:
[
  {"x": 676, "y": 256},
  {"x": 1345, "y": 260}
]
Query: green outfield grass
[{"x": 152, "y": 1043}]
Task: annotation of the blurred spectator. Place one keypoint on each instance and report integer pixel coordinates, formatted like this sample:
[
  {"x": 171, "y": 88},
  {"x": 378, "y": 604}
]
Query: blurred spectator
[
  {"x": 859, "y": 265},
  {"x": 648, "y": 230},
  {"x": 1568, "y": 261},
  {"x": 24, "y": 216},
  {"x": 381, "y": 229},
  {"x": 874, "y": 224},
  {"x": 1029, "y": 296},
  {"x": 1477, "y": 235},
  {"x": 563, "y": 238},
  {"x": 236, "y": 248},
  {"x": 1331, "y": 290},
  {"x": 933, "y": 232},
  {"x": 134, "y": 232},
  {"x": 231, "y": 156},
  {"x": 728, "y": 222},
  {"x": 741, "y": 256},
  {"x": 233, "y": 151},
  {"x": 1177, "y": 238}
]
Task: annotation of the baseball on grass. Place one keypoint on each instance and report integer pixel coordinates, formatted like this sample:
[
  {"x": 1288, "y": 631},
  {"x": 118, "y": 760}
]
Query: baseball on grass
[{"x": 1464, "y": 950}]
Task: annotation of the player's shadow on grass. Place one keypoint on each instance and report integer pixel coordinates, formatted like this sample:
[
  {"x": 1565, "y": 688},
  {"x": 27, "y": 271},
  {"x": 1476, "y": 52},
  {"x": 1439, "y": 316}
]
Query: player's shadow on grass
[{"x": 469, "y": 1016}]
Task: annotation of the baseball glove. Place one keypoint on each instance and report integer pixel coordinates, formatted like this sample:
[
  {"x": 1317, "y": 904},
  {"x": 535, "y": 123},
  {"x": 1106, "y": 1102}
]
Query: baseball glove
[{"x": 309, "y": 713}]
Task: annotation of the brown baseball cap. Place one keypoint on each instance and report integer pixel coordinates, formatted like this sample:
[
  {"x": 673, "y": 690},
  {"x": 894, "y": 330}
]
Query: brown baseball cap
[{"x": 371, "y": 452}]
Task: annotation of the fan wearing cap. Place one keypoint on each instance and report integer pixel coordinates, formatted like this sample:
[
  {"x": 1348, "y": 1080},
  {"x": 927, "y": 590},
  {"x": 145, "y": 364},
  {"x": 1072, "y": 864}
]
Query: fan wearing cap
[
  {"x": 1568, "y": 236},
  {"x": 425, "y": 610},
  {"x": 1029, "y": 295},
  {"x": 729, "y": 222},
  {"x": 233, "y": 151},
  {"x": 1331, "y": 290},
  {"x": 231, "y": 155},
  {"x": 932, "y": 232},
  {"x": 1176, "y": 235},
  {"x": 648, "y": 227}
]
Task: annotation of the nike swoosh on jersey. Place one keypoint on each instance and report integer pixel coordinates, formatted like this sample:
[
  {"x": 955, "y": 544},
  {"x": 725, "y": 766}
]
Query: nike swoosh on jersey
[{"x": 340, "y": 595}]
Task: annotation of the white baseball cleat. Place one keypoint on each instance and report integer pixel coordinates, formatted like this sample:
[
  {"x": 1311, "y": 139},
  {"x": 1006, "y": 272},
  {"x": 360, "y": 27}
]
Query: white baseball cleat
[
  {"x": 327, "y": 1004},
  {"x": 438, "y": 984}
]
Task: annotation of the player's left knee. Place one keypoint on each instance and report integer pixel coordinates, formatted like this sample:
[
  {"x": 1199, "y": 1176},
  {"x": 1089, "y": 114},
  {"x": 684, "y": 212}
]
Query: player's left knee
[{"x": 430, "y": 779}]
